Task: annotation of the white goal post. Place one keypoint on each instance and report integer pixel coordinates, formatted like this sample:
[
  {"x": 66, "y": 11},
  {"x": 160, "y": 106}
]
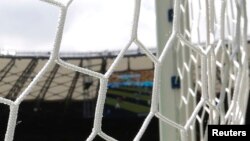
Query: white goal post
[
  {"x": 220, "y": 77},
  {"x": 168, "y": 96}
]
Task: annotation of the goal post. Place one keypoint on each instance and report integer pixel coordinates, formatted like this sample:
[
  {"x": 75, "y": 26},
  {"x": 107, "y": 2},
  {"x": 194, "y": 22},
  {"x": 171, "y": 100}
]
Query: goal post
[
  {"x": 208, "y": 62},
  {"x": 168, "y": 95}
]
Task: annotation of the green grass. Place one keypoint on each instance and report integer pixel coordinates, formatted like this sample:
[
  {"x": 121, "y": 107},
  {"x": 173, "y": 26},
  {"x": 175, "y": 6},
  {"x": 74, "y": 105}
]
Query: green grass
[
  {"x": 138, "y": 89},
  {"x": 129, "y": 95},
  {"x": 135, "y": 108}
]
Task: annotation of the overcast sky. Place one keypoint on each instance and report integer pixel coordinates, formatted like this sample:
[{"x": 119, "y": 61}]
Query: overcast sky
[{"x": 91, "y": 25}]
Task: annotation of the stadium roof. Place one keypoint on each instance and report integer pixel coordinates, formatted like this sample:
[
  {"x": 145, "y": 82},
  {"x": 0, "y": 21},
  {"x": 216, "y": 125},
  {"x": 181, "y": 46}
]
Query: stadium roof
[
  {"x": 71, "y": 55},
  {"x": 59, "y": 83}
]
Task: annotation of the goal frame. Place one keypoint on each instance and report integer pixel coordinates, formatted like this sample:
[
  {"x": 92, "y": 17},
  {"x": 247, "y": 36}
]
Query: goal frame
[{"x": 168, "y": 95}]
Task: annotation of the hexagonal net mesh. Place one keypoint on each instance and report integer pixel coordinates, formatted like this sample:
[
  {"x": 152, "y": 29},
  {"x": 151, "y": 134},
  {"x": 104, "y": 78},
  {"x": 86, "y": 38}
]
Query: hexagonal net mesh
[{"x": 211, "y": 63}]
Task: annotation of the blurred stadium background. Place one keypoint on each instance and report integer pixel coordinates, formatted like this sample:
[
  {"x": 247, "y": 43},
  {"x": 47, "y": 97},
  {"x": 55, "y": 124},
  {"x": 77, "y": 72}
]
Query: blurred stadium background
[{"x": 61, "y": 107}]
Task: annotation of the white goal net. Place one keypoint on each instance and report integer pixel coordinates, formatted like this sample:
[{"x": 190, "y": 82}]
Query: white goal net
[{"x": 210, "y": 41}]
